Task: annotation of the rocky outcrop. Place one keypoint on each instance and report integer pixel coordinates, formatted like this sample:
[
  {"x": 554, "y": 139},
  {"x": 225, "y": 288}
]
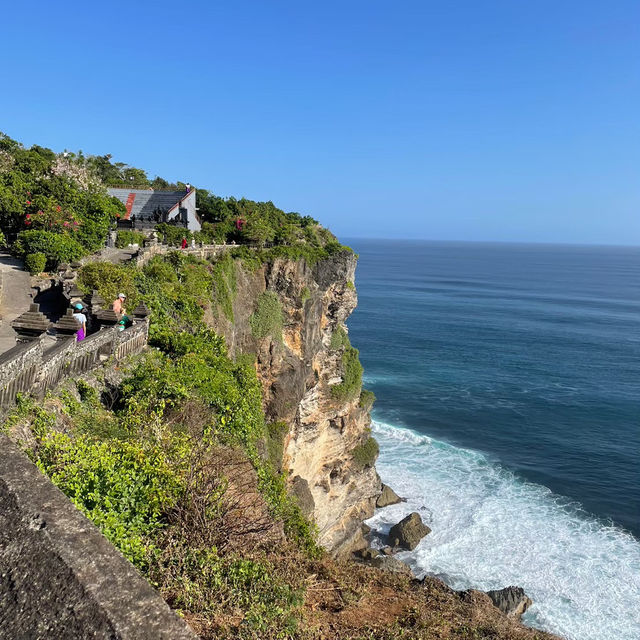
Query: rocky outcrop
[
  {"x": 387, "y": 497},
  {"x": 511, "y": 600},
  {"x": 408, "y": 532},
  {"x": 391, "y": 564},
  {"x": 299, "y": 487},
  {"x": 298, "y": 370}
]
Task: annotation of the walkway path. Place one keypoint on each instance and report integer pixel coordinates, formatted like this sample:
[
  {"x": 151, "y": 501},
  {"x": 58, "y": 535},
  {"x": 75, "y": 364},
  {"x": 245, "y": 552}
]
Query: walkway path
[{"x": 15, "y": 297}]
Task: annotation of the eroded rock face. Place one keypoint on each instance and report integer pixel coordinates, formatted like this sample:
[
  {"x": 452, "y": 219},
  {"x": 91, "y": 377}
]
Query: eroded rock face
[
  {"x": 511, "y": 600},
  {"x": 408, "y": 532},
  {"x": 297, "y": 374}
]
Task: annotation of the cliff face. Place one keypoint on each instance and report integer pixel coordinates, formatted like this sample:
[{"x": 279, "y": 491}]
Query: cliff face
[{"x": 297, "y": 374}]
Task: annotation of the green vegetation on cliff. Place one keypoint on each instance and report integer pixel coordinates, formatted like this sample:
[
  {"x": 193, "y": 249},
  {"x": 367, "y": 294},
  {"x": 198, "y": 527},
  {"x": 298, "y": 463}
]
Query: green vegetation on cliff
[
  {"x": 352, "y": 372},
  {"x": 266, "y": 320},
  {"x": 57, "y": 204}
]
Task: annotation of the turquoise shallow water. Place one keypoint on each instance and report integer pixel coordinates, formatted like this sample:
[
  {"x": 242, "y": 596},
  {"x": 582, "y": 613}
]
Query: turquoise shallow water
[{"x": 508, "y": 385}]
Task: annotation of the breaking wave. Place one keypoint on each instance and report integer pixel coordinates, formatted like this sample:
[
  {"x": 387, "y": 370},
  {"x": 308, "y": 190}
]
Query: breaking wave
[{"x": 492, "y": 529}]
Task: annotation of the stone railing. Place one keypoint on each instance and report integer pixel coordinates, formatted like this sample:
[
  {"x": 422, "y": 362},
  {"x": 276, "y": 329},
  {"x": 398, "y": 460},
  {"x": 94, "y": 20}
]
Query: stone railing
[
  {"x": 199, "y": 251},
  {"x": 31, "y": 369}
]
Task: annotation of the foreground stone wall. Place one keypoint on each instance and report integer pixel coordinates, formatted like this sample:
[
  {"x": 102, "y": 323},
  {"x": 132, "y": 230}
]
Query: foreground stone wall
[{"x": 59, "y": 577}]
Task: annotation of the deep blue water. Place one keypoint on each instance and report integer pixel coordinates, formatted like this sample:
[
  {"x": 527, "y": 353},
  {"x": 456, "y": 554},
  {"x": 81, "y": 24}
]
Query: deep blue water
[{"x": 520, "y": 364}]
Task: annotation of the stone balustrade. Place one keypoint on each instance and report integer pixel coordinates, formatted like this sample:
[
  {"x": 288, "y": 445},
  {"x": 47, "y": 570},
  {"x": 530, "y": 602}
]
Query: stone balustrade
[
  {"x": 31, "y": 369},
  {"x": 202, "y": 251}
]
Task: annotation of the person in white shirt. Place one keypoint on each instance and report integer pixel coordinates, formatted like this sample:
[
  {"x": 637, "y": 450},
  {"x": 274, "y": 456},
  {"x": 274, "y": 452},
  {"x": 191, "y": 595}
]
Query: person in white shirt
[{"x": 82, "y": 321}]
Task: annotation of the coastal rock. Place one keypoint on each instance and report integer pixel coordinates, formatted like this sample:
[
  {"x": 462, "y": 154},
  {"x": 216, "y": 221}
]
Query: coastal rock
[
  {"x": 387, "y": 551},
  {"x": 511, "y": 600},
  {"x": 392, "y": 565},
  {"x": 408, "y": 532},
  {"x": 387, "y": 497}
]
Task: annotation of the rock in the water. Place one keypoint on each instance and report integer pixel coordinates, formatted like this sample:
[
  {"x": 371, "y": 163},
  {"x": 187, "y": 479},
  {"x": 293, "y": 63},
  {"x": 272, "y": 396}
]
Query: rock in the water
[
  {"x": 511, "y": 600},
  {"x": 408, "y": 532},
  {"x": 387, "y": 551},
  {"x": 387, "y": 497},
  {"x": 391, "y": 564},
  {"x": 366, "y": 529}
]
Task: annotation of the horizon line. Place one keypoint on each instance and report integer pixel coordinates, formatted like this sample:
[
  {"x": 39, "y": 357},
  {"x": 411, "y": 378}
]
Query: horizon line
[{"x": 523, "y": 242}]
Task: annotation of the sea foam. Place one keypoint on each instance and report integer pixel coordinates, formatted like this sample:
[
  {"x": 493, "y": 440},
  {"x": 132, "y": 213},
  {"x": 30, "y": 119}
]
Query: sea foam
[{"x": 491, "y": 529}]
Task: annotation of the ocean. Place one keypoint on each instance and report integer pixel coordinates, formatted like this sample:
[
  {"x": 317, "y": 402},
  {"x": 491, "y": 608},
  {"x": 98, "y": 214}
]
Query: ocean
[{"x": 507, "y": 379}]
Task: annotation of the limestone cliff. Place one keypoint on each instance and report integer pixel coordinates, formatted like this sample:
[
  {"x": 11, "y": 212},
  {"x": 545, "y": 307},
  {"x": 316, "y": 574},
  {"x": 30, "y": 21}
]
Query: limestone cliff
[{"x": 297, "y": 371}]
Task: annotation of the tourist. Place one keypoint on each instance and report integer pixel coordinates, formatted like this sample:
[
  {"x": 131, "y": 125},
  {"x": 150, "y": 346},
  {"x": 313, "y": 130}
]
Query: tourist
[
  {"x": 118, "y": 304},
  {"x": 184, "y": 243},
  {"x": 81, "y": 319}
]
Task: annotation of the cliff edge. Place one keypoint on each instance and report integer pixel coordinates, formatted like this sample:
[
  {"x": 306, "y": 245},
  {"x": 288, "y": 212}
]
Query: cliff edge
[{"x": 307, "y": 384}]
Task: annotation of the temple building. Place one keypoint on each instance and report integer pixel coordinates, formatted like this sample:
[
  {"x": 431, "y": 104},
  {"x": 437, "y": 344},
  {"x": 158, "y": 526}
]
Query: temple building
[{"x": 146, "y": 208}]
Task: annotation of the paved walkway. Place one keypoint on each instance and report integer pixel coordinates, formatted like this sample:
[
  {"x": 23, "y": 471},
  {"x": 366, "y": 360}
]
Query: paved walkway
[{"x": 15, "y": 297}]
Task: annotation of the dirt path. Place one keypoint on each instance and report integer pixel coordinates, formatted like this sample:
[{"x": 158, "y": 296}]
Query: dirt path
[{"x": 15, "y": 298}]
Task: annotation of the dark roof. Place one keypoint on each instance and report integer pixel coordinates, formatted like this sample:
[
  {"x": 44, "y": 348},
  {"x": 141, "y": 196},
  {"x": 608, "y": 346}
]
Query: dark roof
[{"x": 143, "y": 203}]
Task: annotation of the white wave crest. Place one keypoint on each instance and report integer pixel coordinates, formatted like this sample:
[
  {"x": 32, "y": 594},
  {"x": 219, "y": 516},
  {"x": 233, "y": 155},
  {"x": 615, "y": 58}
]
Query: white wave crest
[{"x": 491, "y": 529}]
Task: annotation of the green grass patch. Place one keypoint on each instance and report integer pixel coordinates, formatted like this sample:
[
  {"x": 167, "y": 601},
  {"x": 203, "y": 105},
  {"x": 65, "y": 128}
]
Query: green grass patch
[
  {"x": 351, "y": 383},
  {"x": 266, "y": 320},
  {"x": 225, "y": 284}
]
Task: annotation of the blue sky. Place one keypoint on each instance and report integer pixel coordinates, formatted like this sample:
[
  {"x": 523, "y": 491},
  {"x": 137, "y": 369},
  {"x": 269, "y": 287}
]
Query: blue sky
[{"x": 494, "y": 120}]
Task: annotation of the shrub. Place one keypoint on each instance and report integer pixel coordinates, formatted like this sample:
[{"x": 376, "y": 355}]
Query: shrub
[
  {"x": 172, "y": 234},
  {"x": 35, "y": 262},
  {"x": 351, "y": 383},
  {"x": 124, "y": 238},
  {"x": 56, "y": 247},
  {"x": 266, "y": 320},
  {"x": 365, "y": 454},
  {"x": 339, "y": 339},
  {"x": 367, "y": 398},
  {"x": 305, "y": 295},
  {"x": 123, "y": 487},
  {"x": 110, "y": 280}
]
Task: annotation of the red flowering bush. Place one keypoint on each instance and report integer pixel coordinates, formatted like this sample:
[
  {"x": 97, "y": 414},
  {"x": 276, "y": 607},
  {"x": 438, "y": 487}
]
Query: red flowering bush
[{"x": 48, "y": 215}]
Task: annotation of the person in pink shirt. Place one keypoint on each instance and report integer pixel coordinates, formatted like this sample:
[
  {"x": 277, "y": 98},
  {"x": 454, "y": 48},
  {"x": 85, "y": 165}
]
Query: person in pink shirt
[{"x": 118, "y": 304}]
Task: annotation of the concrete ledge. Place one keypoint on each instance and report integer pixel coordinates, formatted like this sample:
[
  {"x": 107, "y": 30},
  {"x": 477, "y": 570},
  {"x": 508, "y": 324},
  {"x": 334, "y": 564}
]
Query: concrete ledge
[{"x": 59, "y": 576}]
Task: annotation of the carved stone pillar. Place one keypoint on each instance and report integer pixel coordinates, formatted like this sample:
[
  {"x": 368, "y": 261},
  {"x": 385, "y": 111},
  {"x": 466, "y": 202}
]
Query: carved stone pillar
[
  {"x": 141, "y": 311},
  {"x": 107, "y": 318},
  {"x": 67, "y": 326},
  {"x": 31, "y": 325}
]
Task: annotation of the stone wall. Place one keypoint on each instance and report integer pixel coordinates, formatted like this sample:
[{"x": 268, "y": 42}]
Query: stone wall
[
  {"x": 205, "y": 251},
  {"x": 59, "y": 577},
  {"x": 27, "y": 368}
]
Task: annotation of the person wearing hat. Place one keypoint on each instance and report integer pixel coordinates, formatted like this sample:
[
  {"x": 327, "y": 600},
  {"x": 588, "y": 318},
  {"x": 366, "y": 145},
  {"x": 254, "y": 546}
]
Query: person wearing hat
[
  {"x": 81, "y": 319},
  {"x": 118, "y": 304}
]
